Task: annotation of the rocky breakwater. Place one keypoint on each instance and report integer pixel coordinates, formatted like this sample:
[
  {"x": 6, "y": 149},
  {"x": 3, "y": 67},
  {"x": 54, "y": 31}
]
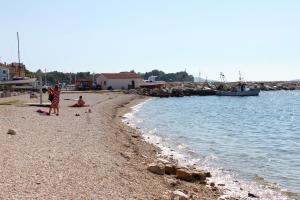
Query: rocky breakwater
[
  {"x": 174, "y": 92},
  {"x": 264, "y": 85},
  {"x": 269, "y": 86},
  {"x": 206, "y": 89}
]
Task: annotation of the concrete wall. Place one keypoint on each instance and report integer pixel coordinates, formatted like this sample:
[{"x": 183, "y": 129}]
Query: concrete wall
[
  {"x": 100, "y": 80},
  {"x": 116, "y": 83},
  {"x": 122, "y": 83}
]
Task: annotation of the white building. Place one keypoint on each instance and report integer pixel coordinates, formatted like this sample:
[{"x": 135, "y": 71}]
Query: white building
[
  {"x": 122, "y": 80},
  {"x": 4, "y": 74}
]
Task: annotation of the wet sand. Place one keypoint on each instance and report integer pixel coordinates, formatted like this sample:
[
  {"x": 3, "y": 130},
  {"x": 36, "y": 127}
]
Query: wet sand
[{"x": 90, "y": 156}]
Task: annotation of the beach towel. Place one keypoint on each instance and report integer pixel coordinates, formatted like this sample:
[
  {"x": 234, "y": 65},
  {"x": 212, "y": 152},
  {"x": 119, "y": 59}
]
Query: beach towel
[{"x": 42, "y": 112}]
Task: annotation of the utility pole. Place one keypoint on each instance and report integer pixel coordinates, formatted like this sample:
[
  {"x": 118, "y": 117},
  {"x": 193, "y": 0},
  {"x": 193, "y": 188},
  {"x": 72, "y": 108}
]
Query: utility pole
[
  {"x": 70, "y": 78},
  {"x": 41, "y": 91},
  {"x": 18, "y": 48},
  {"x": 19, "y": 53},
  {"x": 45, "y": 76}
]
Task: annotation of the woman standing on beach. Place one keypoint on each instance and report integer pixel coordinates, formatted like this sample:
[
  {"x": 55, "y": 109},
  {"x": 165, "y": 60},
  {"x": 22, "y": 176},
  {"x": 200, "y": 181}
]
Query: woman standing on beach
[{"x": 55, "y": 101}]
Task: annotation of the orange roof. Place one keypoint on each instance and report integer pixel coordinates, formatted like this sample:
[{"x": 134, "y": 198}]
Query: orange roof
[{"x": 121, "y": 75}]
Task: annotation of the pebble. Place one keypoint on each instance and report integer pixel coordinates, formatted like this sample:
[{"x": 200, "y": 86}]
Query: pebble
[
  {"x": 11, "y": 132},
  {"x": 252, "y": 195},
  {"x": 156, "y": 168},
  {"x": 180, "y": 195}
]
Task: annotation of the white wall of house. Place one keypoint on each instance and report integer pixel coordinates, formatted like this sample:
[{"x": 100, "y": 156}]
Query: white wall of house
[
  {"x": 101, "y": 80},
  {"x": 4, "y": 74},
  {"x": 117, "y": 83}
]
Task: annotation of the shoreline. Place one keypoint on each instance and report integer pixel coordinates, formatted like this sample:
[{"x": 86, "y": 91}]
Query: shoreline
[
  {"x": 286, "y": 195},
  {"x": 89, "y": 155},
  {"x": 206, "y": 190}
]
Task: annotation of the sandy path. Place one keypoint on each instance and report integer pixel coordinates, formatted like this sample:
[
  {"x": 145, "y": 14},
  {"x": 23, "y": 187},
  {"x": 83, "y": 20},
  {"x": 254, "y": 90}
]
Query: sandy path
[{"x": 91, "y": 156}]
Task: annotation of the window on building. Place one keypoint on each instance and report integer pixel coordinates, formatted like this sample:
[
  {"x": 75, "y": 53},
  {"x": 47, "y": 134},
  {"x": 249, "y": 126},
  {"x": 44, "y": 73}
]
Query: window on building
[{"x": 4, "y": 72}]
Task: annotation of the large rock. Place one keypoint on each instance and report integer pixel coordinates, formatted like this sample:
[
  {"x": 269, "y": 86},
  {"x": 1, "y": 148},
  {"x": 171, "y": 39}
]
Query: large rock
[
  {"x": 184, "y": 174},
  {"x": 157, "y": 168},
  {"x": 170, "y": 169},
  {"x": 200, "y": 175},
  {"x": 191, "y": 176}
]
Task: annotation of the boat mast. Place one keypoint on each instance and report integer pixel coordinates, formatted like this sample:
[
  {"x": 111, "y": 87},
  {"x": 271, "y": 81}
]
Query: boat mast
[
  {"x": 199, "y": 77},
  {"x": 222, "y": 77}
]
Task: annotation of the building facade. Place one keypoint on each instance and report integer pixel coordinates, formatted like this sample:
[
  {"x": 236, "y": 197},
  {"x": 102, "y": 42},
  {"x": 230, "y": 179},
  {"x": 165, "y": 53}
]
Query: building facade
[
  {"x": 84, "y": 84},
  {"x": 122, "y": 80},
  {"x": 16, "y": 70},
  {"x": 4, "y": 74}
]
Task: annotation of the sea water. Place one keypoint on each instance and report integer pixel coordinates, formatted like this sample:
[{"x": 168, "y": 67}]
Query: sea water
[{"x": 250, "y": 144}]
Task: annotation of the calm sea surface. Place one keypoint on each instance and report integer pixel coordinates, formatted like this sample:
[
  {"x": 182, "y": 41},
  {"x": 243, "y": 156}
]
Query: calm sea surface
[{"x": 251, "y": 144}]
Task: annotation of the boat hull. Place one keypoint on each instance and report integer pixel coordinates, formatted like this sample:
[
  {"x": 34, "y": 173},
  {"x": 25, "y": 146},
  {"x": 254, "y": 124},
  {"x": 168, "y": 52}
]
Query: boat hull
[{"x": 253, "y": 92}]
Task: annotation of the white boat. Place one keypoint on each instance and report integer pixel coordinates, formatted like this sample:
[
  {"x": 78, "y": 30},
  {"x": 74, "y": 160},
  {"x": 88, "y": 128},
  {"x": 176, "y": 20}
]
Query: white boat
[{"x": 152, "y": 83}]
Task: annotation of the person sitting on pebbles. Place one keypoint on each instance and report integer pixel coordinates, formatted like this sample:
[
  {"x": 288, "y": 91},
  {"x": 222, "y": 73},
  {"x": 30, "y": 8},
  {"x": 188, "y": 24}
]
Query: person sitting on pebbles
[{"x": 80, "y": 103}]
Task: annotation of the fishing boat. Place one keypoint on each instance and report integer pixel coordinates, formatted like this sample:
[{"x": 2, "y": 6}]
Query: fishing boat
[{"x": 240, "y": 89}]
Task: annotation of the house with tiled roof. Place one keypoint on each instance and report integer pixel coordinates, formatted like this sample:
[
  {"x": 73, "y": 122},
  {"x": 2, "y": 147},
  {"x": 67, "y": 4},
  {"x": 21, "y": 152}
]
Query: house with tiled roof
[{"x": 122, "y": 80}]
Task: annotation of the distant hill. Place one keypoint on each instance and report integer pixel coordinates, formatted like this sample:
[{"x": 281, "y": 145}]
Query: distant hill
[{"x": 296, "y": 80}]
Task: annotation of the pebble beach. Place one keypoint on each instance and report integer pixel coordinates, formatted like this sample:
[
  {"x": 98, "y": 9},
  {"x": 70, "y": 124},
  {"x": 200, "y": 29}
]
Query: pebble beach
[{"x": 81, "y": 154}]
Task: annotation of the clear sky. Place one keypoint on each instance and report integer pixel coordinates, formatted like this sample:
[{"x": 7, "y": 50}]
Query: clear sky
[{"x": 261, "y": 38}]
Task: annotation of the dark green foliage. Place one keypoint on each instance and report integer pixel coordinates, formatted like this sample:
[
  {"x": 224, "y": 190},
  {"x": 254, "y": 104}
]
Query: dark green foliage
[
  {"x": 168, "y": 77},
  {"x": 55, "y": 77}
]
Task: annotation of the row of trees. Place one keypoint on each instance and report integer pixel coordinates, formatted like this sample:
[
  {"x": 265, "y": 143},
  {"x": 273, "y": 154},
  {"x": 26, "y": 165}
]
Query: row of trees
[
  {"x": 168, "y": 77},
  {"x": 69, "y": 78},
  {"x": 55, "y": 77}
]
